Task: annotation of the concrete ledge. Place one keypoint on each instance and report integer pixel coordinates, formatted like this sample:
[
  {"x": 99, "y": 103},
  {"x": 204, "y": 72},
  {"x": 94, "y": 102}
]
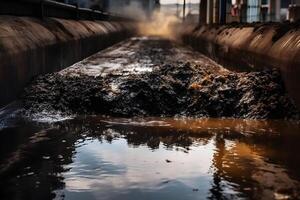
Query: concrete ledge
[
  {"x": 30, "y": 47},
  {"x": 252, "y": 47}
]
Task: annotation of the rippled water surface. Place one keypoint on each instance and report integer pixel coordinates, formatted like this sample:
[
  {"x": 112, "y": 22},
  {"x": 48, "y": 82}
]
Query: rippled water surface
[{"x": 154, "y": 158}]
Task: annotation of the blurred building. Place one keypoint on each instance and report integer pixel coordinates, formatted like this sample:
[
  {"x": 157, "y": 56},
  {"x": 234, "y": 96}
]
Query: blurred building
[
  {"x": 294, "y": 10},
  {"x": 263, "y": 10},
  {"x": 226, "y": 11}
]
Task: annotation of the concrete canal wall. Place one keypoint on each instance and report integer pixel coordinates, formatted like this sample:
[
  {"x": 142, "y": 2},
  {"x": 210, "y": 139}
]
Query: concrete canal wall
[
  {"x": 32, "y": 46},
  {"x": 252, "y": 47}
]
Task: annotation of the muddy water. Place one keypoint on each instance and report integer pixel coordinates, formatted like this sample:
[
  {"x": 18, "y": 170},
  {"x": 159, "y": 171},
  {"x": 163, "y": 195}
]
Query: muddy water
[{"x": 97, "y": 157}]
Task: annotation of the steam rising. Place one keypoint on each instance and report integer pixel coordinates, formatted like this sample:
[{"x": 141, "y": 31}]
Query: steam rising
[
  {"x": 159, "y": 24},
  {"x": 154, "y": 23}
]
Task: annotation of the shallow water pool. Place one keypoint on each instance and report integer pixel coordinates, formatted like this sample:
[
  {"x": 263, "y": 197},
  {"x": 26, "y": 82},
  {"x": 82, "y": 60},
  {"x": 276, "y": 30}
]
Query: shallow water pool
[{"x": 95, "y": 157}]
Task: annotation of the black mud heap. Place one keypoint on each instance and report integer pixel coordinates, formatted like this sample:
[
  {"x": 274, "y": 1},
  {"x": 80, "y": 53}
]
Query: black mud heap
[{"x": 180, "y": 89}]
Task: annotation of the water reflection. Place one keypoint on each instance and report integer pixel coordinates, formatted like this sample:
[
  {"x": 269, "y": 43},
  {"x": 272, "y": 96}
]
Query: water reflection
[{"x": 102, "y": 158}]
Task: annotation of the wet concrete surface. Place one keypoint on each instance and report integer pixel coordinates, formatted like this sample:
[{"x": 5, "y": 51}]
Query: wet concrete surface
[
  {"x": 151, "y": 76},
  {"x": 95, "y": 157}
]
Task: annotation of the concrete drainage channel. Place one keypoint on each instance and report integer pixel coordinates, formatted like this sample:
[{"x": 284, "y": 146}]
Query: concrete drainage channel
[
  {"x": 44, "y": 46},
  {"x": 95, "y": 156},
  {"x": 146, "y": 118}
]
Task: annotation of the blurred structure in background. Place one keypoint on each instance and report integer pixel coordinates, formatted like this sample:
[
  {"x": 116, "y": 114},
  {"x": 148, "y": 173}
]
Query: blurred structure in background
[
  {"x": 207, "y": 12},
  {"x": 294, "y": 10},
  {"x": 226, "y": 11},
  {"x": 132, "y": 8},
  {"x": 128, "y": 8},
  {"x": 176, "y": 10}
]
